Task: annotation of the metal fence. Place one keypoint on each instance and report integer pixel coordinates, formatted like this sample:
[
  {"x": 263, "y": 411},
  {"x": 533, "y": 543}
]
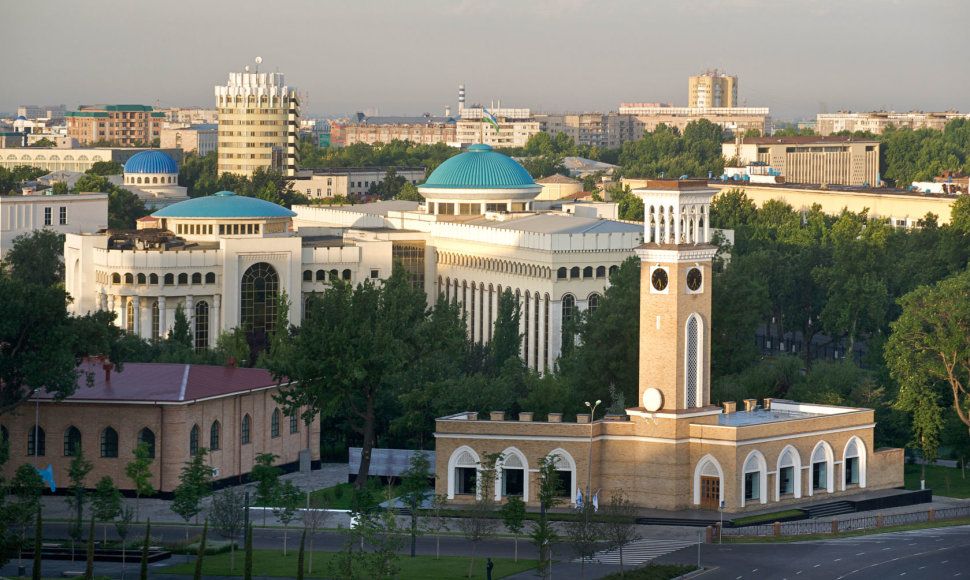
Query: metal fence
[{"x": 812, "y": 527}]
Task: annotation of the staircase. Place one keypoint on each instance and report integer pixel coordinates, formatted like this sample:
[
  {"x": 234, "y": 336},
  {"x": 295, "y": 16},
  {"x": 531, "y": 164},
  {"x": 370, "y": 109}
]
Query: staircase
[{"x": 830, "y": 509}]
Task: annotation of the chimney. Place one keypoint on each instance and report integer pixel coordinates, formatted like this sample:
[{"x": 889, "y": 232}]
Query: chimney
[
  {"x": 108, "y": 367},
  {"x": 496, "y": 416},
  {"x": 767, "y": 403},
  {"x": 730, "y": 406},
  {"x": 750, "y": 404},
  {"x": 555, "y": 417},
  {"x": 583, "y": 417},
  {"x": 525, "y": 416}
]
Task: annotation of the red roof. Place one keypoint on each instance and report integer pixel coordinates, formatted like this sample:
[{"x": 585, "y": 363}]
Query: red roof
[
  {"x": 147, "y": 218},
  {"x": 165, "y": 382}
]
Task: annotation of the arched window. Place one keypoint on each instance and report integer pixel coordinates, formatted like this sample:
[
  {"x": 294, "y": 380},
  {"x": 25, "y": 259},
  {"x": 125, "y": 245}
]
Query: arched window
[
  {"x": 561, "y": 273},
  {"x": 197, "y": 278},
  {"x": 201, "y": 326},
  {"x": 247, "y": 424},
  {"x": 462, "y": 472},
  {"x": 155, "y": 179},
  {"x": 274, "y": 425},
  {"x": 260, "y": 286},
  {"x": 789, "y": 480},
  {"x": 568, "y": 308},
  {"x": 854, "y": 463},
  {"x": 153, "y": 279},
  {"x": 141, "y": 279},
  {"x": 294, "y": 423},
  {"x": 183, "y": 278},
  {"x": 693, "y": 357},
  {"x": 72, "y": 441},
  {"x": 587, "y": 272},
  {"x": 147, "y": 436},
  {"x": 613, "y": 269},
  {"x": 593, "y": 302},
  {"x": 307, "y": 276},
  {"x": 194, "y": 440},
  {"x": 754, "y": 477},
  {"x": 129, "y": 279},
  {"x": 322, "y": 276},
  {"x": 109, "y": 442},
  {"x": 600, "y": 271},
  {"x": 346, "y": 275},
  {"x": 565, "y": 472},
  {"x": 210, "y": 278},
  {"x": 169, "y": 279},
  {"x": 514, "y": 468},
  {"x": 130, "y": 315},
  {"x": 139, "y": 180},
  {"x": 822, "y": 468},
  {"x": 36, "y": 441},
  {"x": 116, "y": 278},
  {"x": 214, "y": 436},
  {"x": 574, "y": 272}
]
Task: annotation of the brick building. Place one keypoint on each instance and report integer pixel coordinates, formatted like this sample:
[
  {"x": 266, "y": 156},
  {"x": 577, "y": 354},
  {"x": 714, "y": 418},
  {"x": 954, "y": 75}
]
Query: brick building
[{"x": 124, "y": 125}]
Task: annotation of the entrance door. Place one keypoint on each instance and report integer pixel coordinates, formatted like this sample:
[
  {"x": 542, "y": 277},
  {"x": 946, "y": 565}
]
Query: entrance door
[{"x": 710, "y": 492}]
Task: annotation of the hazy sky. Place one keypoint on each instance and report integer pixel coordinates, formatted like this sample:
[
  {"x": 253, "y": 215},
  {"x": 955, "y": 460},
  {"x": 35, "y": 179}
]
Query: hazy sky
[{"x": 408, "y": 56}]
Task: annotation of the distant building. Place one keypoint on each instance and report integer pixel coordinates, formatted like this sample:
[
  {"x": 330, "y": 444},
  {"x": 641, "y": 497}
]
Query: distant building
[
  {"x": 558, "y": 186},
  {"x": 190, "y": 116},
  {"x": 259, "y": 123},
  {"x": 49, "y": 112},
  {"x": 732, "y": 119},
  {"x": 876, "y": 122},
  {"x": 124, "y": 125},
  {"x": 346, "y": 181},
  {"x": 813, "y": 160},
  {"x": 72, "y": 159},
  {"x": 154, "y": 177},
  {"x": 712, "y": 89},
  {"x": 201, "y": 139},
  {"x": 515, "y": 127},
  {"x": 64, "y": 214},
  {"x": 423, "y": 130}
]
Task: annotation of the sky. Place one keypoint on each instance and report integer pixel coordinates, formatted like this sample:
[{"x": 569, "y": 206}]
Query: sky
[{"x": 404, "y": 57}]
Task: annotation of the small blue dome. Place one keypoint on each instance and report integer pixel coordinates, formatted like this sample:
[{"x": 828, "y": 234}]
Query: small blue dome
[
  {"x": 151, "y": 162},
  {"x": 21, "y": 118},
  {"x": 224, "y": 204},
  {"x": 480, "y": 168}
]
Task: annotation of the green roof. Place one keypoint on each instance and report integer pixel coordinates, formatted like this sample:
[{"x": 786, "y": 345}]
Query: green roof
[
  {"x": 128, "y": 108},
  {"x": 480, "y": 168},
  {"x": 85, "y": 114}
]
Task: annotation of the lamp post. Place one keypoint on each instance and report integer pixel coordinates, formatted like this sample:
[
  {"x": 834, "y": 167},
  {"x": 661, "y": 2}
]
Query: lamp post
[{"x": 589, "y": 465}]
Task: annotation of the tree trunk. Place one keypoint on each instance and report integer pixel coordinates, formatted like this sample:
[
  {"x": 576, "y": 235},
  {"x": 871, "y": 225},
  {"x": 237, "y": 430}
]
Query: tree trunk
[
  {"x": 437, "y": 546},
  {"x": 232, "y": 554},
  {"x": 299, "y": 559},
  {"x": 471, "y": 563},
  {"x": 368, "y": 445},
  {"x": 284, "y": 540},
  {"x": 621, "y": 560},
  {"x": 414, "y": 527},
  {"x": 89, "y": 566},
  {"x": 516, "y": 548}
]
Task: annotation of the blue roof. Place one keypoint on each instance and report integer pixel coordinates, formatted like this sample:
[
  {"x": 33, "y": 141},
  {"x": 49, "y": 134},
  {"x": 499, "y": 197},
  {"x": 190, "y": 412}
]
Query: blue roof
[
  {"x": 151, "y": 162},
  {"x": 224, "y": 204},
  {"x": 480, "y": 168}
]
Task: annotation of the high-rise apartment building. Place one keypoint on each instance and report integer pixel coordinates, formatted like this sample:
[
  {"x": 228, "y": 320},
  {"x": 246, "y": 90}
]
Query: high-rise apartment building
[
  {"x": 712, "y": 89},
  {"x": 259, "y": 120},
  {"x": 122, "y": 125}
]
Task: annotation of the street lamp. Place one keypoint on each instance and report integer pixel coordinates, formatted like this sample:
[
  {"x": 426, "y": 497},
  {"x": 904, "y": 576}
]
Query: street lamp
[{"x": 589, "y": 464}]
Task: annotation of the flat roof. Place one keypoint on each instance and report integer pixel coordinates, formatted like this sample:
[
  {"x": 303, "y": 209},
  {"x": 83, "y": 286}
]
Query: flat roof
[
  {"x": 801, "y": 140},
  {"x": 162, "y": 383},
  {"x": 377, "y": 207},
  {"x": 546, "y": 223},
  {"x": 759, "y": 416}
]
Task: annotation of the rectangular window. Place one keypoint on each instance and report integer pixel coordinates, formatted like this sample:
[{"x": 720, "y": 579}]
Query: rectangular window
[
  {"x": 465, "y": 480},
  {"x": 819, "y": 476},
  {"x": 851, "y": 470},
  {"x": 752, "y": 485},
  {"x": 375, "y": 274},
  {"x": 786, "y": 480},
  {"x": 48, "y": 212},
  {"x": 63, "y": 215},
  {"x": 513, "y": 481}
]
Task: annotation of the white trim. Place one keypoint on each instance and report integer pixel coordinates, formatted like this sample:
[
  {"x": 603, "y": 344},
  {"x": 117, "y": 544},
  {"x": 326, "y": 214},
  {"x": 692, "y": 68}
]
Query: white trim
[
  {"x": 648, "y": 415},
  {"x": 790, "y": 451},
  {"x": 698, "y": 362},
  {"x": 452, "y": 464},
  {"x": 763, "y": 477},
  {"x": 862, "y": 453},
  {"x": 570, "y": 466},
  {"x": 697, "y": 478},
  {"x": 499, "y": 473},
  {"x": 777, "y": 437},
  {"x": 829, "y": 467}
]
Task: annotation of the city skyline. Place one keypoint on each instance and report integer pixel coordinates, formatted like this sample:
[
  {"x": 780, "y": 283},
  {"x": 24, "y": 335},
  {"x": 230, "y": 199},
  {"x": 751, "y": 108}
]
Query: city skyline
[{"x": 408, "y": 58}]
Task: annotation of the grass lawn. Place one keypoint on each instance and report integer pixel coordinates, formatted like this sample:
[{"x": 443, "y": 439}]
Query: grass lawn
[
  {"x": 653, "y": 572},
  {"x": 772, "y": 517},
  {"x": 338, "y": 497},
  {"x": 946, "y": 481},
  {"x": 271, "y": 563}
]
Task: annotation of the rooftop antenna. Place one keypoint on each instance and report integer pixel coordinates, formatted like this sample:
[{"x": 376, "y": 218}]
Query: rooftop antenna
[{"x": 259, "y": 60}]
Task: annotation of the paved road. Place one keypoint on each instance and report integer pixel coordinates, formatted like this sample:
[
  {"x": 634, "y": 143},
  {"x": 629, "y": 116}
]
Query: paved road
[{"x": 920, "y": 554}]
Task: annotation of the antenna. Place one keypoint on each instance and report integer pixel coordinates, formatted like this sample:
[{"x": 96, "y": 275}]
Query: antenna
[{"x": 259, "y": 60}]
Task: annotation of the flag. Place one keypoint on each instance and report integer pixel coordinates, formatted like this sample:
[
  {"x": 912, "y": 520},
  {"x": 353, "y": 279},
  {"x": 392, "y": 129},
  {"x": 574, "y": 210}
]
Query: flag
[
  {"x": 579, "y": 499},
  {"x": 596, "y": 501},
  {"x": 489, "y": 118}
]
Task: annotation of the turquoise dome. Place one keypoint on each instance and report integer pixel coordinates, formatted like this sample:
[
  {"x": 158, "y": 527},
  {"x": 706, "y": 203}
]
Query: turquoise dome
[
  {"x": 224, "y": 204},
  {"x": 151, "y": 162},
  {"x": 480, "y": 168}
]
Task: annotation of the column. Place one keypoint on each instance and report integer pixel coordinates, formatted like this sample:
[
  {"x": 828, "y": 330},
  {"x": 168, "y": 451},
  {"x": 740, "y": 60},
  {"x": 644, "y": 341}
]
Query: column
[
  {"x": 136, "y": 308},
  {"x": 190, "y": 311},
  {"x": 541, "y": 361},
  {"x": 707, "y": 223},
  {"x": 102, "y": 300},
  {"x": 520, "y": 300},
  {"x": 111, "y": 303},
  {"x": 215, "y": 320},
  {"x": 678, "y": 217},
  {"x": 162, "y": 329}
]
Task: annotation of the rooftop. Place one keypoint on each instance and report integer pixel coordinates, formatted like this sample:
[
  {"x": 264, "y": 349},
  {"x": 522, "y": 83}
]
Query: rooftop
[
  {"x": 164, "y": 383},
  {"x": 759, "y": 416},
  {"x": 547, "y": 223},
  {"x": 557, "y": 178},
  {"x": 224, "y": 204},
  {"x": 802, "y": 140},
  {"x": 376, "y": 208},
  {"x": 480, "y": 167}
]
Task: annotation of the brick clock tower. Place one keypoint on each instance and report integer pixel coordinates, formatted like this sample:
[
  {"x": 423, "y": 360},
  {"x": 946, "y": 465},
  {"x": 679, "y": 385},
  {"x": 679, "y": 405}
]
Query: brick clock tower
[{"x": 675, "y": 296}]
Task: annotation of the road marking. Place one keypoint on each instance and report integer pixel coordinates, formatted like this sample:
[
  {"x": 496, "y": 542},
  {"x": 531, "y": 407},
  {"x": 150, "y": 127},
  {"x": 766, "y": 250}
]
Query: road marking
[
  {"x": 816, "y": 565},
  {"x": 837, "y": 559},
  {"x": 860, "y": 553},
  {"x": 884, "y": 549},
  {"x": 944, "y": 561},
  {"x": 797, "y": 573}
]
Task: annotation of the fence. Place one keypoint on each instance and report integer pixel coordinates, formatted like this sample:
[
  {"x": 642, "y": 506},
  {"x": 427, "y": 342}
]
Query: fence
[{"x": 812, "y": 527}]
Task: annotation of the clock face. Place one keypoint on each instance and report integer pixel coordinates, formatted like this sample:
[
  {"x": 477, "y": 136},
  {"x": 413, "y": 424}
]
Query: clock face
[
  {"x": 694, "y": 279},
  {"x": 659, "y": 279}
]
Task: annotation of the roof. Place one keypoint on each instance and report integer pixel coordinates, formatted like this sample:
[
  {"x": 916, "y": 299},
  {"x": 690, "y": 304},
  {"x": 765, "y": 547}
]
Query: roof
[
  {"x": 224, "y": 204},
  {"x": 164, "y": 382},
  {"x": 422, "y": 120},
  {"x": 560, "y": 224},
  {"x": 557, "y": 178},
  {"x": 803, "y": 140},
  {"x": 479, "y": 167},
  {"x": 151, "y": 162},
  {"x": 378, "y": 207}
]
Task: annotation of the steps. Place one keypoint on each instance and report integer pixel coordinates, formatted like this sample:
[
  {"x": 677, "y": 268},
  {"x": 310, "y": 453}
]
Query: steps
[{"x": 830, "y": 509}]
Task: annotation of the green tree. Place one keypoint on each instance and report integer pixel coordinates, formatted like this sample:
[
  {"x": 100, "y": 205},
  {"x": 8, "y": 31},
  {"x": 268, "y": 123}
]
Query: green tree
[
  {"x": 106, "y": 502},
  {"x": 181, "y": 333},
  {"x": 543, "y": 532},
  {"x": 480, "y": 522},
  {"x": 26, "y": 487},
  {"x": 513, "y": 516},
  {"x": 37, "y": 258},
  {"x": 89, "y": 567},
  {"x": 506, "y": 339},
  {"x": 200, "y": 555},
  {"x": 139, "y": 471},
  {"x": 105, "y": 168},
  {"x": 299, "y": 559},
  {"x": 415, "y": 488},
  {"x": 60, "y": 188},
  {"x": 619, "y": 524},
  {"x": 288, "y": 498},
  {"x": 581, "y": 533},
  {"x": 228, "y": 513},
  {"x": 77, "y": 472},
  {"x": 409, "y": 192},
  {"x": 195, "y": 484},
  {"x": 629, "y": 206},
  {"x": 436, "y": 520},
  {"x": 361, "y": 342},
  {"x": 267, "y": 477},
  {"x": 248, "y": 562},
  {"x": 143, "y": 571}
]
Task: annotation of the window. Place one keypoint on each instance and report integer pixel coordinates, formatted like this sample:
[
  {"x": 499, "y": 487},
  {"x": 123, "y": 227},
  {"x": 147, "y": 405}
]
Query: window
[
  {"x": 109, "y": 442},
  {"x": 274, "y": 426},
  {"x": 260, "y": 285},
  {"x": 786, "y": 480},
  {"x": 129, "y": 279},
  {"x": 246, "y": 428},
  {"x": 72, "y": 441},
  {"x": 210, "y": 278},
  {"x": 513, "y": 476},
  {"x": 214, "y": 436},
  {"x": 374, "y": 274},
  {"x": 147, "y": 436},
  {"x": 307, "y": 276},
  {"x": 169, "y": 279},
  {"x": 819, "y": 476},
  {"x": 465, "y": 478},
  {"x": 116, "y": 278},
  {"x": 183, "y": 279},
  {"x": 36, "y": 441},
  {"x": 63, "y": 216},
  {"x": 593, "y": 302},
  {"x": 142, "y": 279},
  {"x": 194, "y": 440},
  {"x": 568, "y": 308},
  {"x": 752, "y": 485},
  {"x": 851, "y": 470},
  {"x": 294, "y": 423},
  {"x": 561, "y": 274},
  {"x": 47, "y": 216},
  {"x": 692, "y": 362},
  {"x": 197, "y": 278},
  {"x": 574, "y": 272},
  {"x": 201, "y": 326},
  {"x": 153, "y": 279},
  {"x": 601, "y": 271},
  {"x": 588, "y": 272},
  {"x": 130, "y": 318}
]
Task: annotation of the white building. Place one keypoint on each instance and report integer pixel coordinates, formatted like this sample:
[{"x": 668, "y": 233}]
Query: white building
[
  {"x": 225, "y": 258},
  {"x": 65, "y": 214},
  {"x": 154, "y": 177}
]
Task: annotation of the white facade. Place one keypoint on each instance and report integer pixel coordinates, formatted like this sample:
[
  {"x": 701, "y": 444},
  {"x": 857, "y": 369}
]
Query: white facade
[{"x": 65, "y": 214}]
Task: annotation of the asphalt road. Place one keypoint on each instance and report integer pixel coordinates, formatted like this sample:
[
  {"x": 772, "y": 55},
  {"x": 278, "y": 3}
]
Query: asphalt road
[{"x": 919, "y": 554}]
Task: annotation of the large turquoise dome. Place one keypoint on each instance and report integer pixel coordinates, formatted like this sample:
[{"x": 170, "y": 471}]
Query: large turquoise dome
[
  {"x": 151, "y": 162},
  {"x": 480, "y": 167},
  {"x": 224, "y": 204}
]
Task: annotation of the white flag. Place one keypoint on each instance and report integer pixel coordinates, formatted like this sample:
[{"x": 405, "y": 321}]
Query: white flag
[
  {"x": 579, "y": 498},
  {"x": 596, "y": 501}
]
